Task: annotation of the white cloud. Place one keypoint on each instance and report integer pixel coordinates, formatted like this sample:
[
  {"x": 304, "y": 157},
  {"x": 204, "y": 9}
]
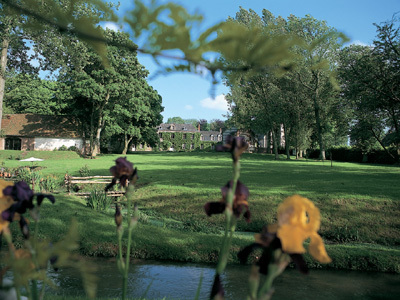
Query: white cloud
[
  {"x": 357, "y": 42},
  {"x": 219, "y": 103},
  {"x": 110, "y": 25},
  {"x": 188, "y": 107}
]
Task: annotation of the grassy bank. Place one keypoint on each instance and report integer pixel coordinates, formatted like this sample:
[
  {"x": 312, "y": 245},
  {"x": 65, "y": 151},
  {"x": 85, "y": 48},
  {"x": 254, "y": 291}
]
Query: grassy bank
[{"x": 359, "y": 205}]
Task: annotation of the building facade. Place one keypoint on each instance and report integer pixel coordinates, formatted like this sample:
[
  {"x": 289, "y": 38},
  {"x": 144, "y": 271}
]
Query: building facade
[{"x": 39, "y": 132}]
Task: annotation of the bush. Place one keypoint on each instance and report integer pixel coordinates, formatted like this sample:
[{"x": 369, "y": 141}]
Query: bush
[
  {"x": 98, "y": 200},
  {"x": 352, "y": 154},
  {"x": 63, "y": 148},
  {"x": 84, "y": 171},
  {"x": 73, "y": 148},
  {"x": 49, "y": 183},
  {"x": 24, "y": 174}
]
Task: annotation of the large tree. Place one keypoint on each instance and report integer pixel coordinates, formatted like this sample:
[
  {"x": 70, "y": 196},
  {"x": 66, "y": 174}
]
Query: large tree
[
  {"x": 317, "y": 60},
  {"x": 370, "y": 77},
  {"x": 99, "y": 94},
  {"x": 136, "y": 115},
  {"x": 285, "y": 99},
  {"x": 14, "y": 55}
]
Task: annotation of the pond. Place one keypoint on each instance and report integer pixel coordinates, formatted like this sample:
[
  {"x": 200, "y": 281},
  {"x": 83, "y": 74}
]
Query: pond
[{"x": 156, "y": 280}]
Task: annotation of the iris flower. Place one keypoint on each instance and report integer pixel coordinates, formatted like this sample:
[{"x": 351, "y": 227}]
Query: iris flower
[
  {"x": 23, "y": 199},
  {"x": 5, "y": 203},
  {"x": 298, "y": 220},
  {"x": 122, "y": 171},
  {"x": 235, "y": 145},
  {"x": 15, "y": 200},
  {"x": 240, "y": 204}
]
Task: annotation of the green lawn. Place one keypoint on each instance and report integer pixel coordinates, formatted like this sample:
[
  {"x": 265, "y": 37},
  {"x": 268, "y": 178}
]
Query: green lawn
[{"x": 359, "y": 205}]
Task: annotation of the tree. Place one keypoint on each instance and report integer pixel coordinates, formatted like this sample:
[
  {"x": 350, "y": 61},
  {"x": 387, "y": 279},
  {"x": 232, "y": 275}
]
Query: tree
[
  {"x": 263, "y": 102},
  {"x": 217, "y": 124},
  {"x": 315, "y": 66},
  {"x": 14, "y": 50},
  {"x": 26, "y": 93},
  {"x": 204, "y": 126},
  {"x": 175, "y": 120},
  {"x": 100, "y": 94},
  {"x": 135, "y": 116},
  {"x": 370, "y": 79}
]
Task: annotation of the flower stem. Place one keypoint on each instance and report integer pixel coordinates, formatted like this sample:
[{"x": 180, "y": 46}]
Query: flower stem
[
  {"x": 230, "y": 222},
  {"x": 131, "y": 225},
  {"x": 11, "y": 248}
]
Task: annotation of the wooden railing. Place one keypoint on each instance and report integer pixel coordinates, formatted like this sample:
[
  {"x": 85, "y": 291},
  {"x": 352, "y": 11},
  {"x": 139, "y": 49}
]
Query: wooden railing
[{"x": 70, "y": 181}]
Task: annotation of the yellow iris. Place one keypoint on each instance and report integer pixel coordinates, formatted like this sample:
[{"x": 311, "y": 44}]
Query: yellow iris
[
  {"x": 298, "y": 220},
  {"x": 5, "y": 203}
]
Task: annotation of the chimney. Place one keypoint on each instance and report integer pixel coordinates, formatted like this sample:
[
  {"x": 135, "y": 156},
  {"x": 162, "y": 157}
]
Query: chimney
[
  {"x": 198, "y": 127},
  {"x": 220, "y": 130}
]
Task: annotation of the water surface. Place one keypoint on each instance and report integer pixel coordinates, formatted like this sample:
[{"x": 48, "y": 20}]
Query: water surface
[{"x": 156, "y": 280}]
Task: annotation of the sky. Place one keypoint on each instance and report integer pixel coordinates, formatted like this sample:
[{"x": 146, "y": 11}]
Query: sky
[{"x": 188, "y": 96}]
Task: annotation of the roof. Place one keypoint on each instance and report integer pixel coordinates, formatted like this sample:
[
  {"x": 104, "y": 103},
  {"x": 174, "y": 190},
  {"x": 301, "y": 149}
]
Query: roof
[
  {"x": 207, "y": 135},
  {"x": 31, "y": 125},
  {"x": 177, "y": 127}
]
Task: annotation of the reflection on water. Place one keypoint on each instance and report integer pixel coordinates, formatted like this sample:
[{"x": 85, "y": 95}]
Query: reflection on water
[{"x": 180, "y": 281}]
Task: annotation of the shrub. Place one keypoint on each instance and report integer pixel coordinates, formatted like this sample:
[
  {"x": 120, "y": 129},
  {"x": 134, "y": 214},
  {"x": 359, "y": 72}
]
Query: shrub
[
  {"x": 98, "y": 200},
  {"x": 73, "y": 148},
  {"x": 24, "y": 174},
  {"x": 63, "y": 148},
  {"x": 49, "y": 183},
  {"x": 84, "y": 171}
]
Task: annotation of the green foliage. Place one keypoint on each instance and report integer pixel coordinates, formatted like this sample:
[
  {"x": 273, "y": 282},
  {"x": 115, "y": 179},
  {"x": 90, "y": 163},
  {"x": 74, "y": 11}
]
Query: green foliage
[
  {"x": 24, "y": 174},
  {"x": 63, "y": 148},
  {"x": 176, "y": 120},
  {"x": 26, "y": 93},
  {"x": 98, "y": 200},
  {"x": 301, "y": 100},
  {"x": 73, "y": 148},
  {"x": 369, "y": 76},
  {"x": 49, "y": 183},
  {"x": 84, "y": 171}
]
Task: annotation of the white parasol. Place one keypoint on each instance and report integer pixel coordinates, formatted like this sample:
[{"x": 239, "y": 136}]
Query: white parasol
[{"x": 32, "y": 159}]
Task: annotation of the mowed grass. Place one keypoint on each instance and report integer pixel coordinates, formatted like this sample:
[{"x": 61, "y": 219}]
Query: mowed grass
[{"x": 359, "y": 204}]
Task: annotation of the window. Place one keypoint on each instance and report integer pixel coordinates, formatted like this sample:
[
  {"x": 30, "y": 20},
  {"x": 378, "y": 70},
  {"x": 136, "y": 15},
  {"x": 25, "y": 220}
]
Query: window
[
  {"x": 219, "y": 137},
  {"x": 172, "y": 135},
  {"x": 160, "y": 135},
  {"x": 201, "y": 137},
  {"x": 191, "y": 146},
  {"x": 13, "y": 144},
  {"x": 184, "y": 136},
  {"x": 201, "y": 146},
  {"x": 183, "y": 146},
  {"x": 192, "y": 136},
  {"x": 212, "y": 137}
]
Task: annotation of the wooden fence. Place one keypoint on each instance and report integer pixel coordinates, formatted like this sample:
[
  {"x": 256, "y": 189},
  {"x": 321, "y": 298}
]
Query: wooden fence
[{"x": 70, "y": 181}]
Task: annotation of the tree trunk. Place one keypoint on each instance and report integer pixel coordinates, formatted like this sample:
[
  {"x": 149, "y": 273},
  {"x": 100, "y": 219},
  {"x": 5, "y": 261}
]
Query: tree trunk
[
  {"x": 268, "y": 142},
  {"x": 99, "y": 127},
  {"x": 319, "y": 127},
  {"x": 383, "y": 145},
  {"x": 96, "y": 145},
  {"x": 3, "y": 66},
  {"x": 126, "y": 143},
  {"x": 275, "y": 144},
  {"x": 287, "y": 142}
]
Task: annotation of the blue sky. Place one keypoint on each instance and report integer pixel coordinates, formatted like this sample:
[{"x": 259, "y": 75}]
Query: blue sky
[{"x": 188, "y": 96}]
